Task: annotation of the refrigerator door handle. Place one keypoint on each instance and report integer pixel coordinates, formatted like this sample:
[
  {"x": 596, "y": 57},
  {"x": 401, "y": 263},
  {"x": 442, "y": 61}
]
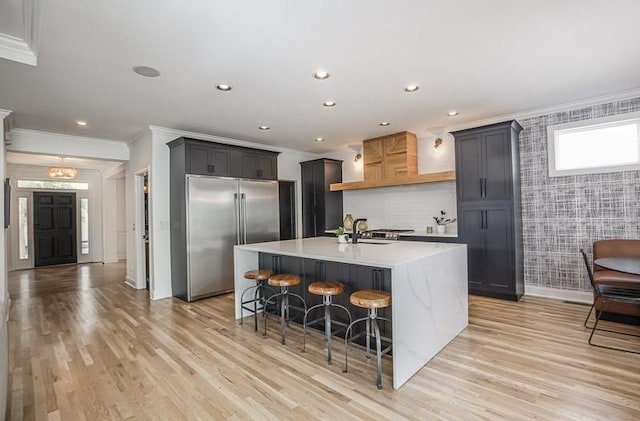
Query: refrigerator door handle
[
  {"x": 243, "y": 206},
  {"x": 236, "y": 217}
]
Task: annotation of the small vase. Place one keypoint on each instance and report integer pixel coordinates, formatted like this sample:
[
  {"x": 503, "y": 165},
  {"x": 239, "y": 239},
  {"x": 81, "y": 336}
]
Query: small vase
[
  {"x": 348, "y": 222},
  {"x": 343, "y": 238},
  {"x": 441, "y": 229}
]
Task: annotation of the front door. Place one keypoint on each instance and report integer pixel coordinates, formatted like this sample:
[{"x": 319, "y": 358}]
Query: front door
[{"x": 54, "y": 230}]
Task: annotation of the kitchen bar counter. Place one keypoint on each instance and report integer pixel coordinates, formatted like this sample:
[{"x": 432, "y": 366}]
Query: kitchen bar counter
[{"x": 428, "y": 288}]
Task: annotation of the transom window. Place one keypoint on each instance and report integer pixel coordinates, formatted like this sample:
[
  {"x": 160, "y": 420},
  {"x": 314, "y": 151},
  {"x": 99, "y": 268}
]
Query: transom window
[
  {"x": 602, "y": 145},
  {"x": 52, "y": 185}
]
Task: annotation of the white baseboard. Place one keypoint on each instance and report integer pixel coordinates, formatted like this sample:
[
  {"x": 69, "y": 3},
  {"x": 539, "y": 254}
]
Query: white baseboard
[
  {"x": 131, "y": 282},
  {"x": 110, "y": 260},
  {"x": 559, "y": 294}
]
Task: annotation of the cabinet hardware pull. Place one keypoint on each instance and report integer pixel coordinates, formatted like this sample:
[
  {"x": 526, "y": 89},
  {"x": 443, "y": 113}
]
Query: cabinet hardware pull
[
  {"x": 485, "y": 187},
  {"x": 481, "y": 194}
]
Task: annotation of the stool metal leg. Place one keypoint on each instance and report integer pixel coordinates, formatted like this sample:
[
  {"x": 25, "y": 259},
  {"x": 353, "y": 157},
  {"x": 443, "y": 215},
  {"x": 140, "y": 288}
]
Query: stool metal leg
[
  {"x": 304, "y": 325},
  {"x": 327, "y": 325},
  {"x": 346, "y": 341},
  {"x": 284, "y": 311},
  {"x": 368, "y": 338},
  {"x": 378, "y": 351}
]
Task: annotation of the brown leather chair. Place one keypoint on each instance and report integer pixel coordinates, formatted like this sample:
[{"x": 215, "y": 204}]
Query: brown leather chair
[{"x": 616, "y": 248}]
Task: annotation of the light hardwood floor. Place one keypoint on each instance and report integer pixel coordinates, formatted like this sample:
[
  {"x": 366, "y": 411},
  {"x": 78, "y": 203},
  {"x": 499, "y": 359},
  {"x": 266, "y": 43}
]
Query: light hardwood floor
[{"x": 105, "y": 351}]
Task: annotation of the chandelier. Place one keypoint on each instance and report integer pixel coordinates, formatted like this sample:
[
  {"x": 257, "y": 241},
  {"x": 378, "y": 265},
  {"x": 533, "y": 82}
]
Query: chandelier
[{"x": 62, "y": 172}]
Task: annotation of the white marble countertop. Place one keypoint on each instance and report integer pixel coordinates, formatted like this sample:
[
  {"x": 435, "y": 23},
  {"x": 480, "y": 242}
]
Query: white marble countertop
[{"x": 390, "y": 254}]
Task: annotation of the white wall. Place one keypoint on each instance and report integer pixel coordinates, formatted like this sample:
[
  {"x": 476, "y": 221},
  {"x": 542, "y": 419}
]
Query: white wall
[
  {"x": 404, "y": 207},
  {"x": 109, "y": 208},
  {"x": 139, "y": 160},
  {"x": 94, "y": 194},
  {"x": 121, "y": 218}
]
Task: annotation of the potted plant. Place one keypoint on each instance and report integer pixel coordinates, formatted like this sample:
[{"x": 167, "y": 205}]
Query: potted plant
[
  {"x": 442, "y": 221},
  {"x": 342, "y": 236}
]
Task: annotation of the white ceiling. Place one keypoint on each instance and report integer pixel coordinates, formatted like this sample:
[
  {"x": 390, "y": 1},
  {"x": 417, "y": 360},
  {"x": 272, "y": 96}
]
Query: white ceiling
[{"x": 483, "y": 59}]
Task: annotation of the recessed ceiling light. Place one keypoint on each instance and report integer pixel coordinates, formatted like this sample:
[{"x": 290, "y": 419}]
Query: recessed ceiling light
[
  {"x": 146, "y": 71},
  {"x": 452, "y": 113},
  {"x": 321, "y": 75},
  {"x": 411, "y": 88},
  {"x": 319, "y": 139},
  {"x": 384, "y": 123},
  {"x": 81, "y": 123},
  {"x": 329, "y": 103},
  {"x": 224, "y": 87},
  {"x": 264, "y": 127}
]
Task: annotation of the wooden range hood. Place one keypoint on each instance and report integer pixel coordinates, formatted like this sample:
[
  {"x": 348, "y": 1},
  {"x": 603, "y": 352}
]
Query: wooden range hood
[{"x": 392, "y": 161}]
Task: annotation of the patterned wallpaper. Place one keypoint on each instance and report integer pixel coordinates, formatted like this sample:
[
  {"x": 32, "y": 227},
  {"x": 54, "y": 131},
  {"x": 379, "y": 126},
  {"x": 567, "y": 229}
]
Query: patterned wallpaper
[{"x": 563, "y": 214}]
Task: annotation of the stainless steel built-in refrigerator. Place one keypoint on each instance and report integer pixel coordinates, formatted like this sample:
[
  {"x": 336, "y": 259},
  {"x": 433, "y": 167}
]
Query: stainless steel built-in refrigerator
[{"x": 220, "y": 213}]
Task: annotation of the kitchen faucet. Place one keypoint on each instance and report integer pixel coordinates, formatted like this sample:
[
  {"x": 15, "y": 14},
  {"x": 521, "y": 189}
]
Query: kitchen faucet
[{"x": 355, "y": 229}]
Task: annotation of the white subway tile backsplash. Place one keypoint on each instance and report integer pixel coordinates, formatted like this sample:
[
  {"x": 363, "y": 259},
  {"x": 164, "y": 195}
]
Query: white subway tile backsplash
[{"x": 403, "y": 207}]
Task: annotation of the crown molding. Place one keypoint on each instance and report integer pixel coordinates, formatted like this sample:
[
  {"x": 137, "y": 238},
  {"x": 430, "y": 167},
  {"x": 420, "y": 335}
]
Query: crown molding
[
  {"x": 62, "y": 136},
  {"x": 226, "y": 140},
  {"x": 15, "y": 49},
  {"x": 23, "y": 48},
  {"x": 4, "y": 113},
  {"x": 568, "y": 106}
]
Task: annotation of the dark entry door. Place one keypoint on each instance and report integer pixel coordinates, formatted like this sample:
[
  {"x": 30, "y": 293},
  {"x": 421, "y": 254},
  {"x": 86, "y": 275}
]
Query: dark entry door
[{"x": 54, "y": 230}]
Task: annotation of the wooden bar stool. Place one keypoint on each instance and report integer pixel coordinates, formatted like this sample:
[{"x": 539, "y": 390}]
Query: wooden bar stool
[
  {"x": 372, "y": 300},
  {"x": 260, "y": 276},
  {"x": 327, "y": 290},
  {"x": 284, "y": 281}
]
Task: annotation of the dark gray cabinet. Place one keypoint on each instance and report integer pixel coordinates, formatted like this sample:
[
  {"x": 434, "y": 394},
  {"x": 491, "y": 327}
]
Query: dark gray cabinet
[
  {"x": 489, "y": 208},
  {"x": 321, "y": 208},
  {"x": 259, "y": 166},
  {"x": 210, "y": 158}
]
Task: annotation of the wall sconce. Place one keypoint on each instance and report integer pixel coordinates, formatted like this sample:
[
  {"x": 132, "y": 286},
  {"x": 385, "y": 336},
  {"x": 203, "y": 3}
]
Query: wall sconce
[
  {"x": 357, "y": 158},
  {"x": 437, "y": 143}
]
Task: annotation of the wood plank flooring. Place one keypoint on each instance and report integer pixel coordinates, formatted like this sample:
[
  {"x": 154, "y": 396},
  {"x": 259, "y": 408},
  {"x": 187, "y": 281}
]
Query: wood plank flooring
[{"x": 107, "y": 352}]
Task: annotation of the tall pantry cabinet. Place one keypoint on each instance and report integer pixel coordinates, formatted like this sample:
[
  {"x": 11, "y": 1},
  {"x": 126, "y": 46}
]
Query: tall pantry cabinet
[
  {"x": 489, "y": 208},
  {"x": 321, "y": 208}
]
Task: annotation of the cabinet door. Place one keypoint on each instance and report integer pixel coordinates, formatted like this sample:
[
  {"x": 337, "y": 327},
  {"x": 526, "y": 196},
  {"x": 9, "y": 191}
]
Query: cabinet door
[
  {"x": 497, "y": 163},
  {"x": 267, "y": 168},
  {"x": 471, "y": 233},
  {"x": 220, "y": 161},
  {"x": 395, "y": 156},
  {"x": 498, "y": 239},
  {"x": 373, "y": 151},
  {"x": 319, "y": 198},
  {"x": 469, "y": 172},
  {"x": 250, "y": 165},
  {"x": 198, "y": 160},
  {"x": 308, "y": 202}
]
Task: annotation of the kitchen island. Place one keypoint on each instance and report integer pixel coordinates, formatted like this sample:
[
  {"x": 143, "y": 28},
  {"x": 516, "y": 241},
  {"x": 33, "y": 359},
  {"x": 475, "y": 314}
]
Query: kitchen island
[{"x": 427, "y": 281}]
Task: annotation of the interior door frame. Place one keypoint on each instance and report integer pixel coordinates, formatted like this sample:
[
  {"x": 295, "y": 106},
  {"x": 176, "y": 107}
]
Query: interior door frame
[{"x": 138, "y": 230}]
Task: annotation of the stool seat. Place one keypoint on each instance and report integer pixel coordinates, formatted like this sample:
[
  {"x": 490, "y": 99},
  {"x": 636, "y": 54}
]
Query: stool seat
[
  {"x": 371, "y": 298},
  {"x": 326, "y": 288},
  {"x": 284, "y": 280},
  {"x": 258, "y": 274}
]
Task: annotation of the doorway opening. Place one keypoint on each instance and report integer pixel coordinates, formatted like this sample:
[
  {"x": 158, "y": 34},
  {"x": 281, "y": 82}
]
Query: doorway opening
[{"x": 143, "y": 270}]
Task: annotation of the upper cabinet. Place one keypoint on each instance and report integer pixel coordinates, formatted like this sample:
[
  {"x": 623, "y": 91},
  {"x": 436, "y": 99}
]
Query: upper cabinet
[
  {"x": 484, "y": 160},
  {"x": 216, "y": 159},
  {"x": 209, "y": 160},
  {"x": 261, "y": 165},
  {"x": 390, "y": 156}
]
